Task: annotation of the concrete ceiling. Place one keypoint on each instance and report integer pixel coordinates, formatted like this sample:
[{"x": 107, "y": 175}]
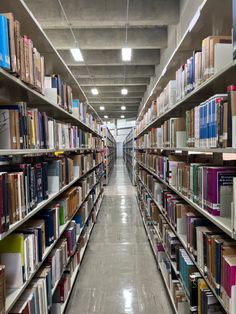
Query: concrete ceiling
[{"x": 100, "y": 29}]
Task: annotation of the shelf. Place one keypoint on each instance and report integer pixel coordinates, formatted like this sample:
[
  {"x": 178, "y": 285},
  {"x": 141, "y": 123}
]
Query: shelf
[
  {"x": 204, "y": 23},
  {"x": 158, "y": 264},
  {"x": 183, "y": 239},
  {"x": 53, "y": 60},
  {"x": 228, "y": 150},
  {"x": 14, "y": 294},
  {"x": 77, "y": 236},
  {"x": 42, "y": 205},
  {"x": 29, "y": 152},
  {"x": 34, "y": 99},
  {"x": 224, "y": 223},
  {"x": 74, "y": 275}
]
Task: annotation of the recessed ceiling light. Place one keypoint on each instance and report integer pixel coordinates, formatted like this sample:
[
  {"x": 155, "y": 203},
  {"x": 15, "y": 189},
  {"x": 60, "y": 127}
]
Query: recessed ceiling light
[
  {"x": 94, "y": 91},
  {"x": 123, "y": 107},
  {"x": 102, "y": 108},
  {"x": 122, "y": 116},
  {"x": 126, "y": 54},
  {"x": 124, "y": 91},
  {"x": 106, "y": 117},
  {"x": 77, "y": 55}
]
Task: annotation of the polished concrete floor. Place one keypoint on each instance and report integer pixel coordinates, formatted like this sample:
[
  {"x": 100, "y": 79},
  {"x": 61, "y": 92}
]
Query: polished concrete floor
[{"x": 119, "y": 274}]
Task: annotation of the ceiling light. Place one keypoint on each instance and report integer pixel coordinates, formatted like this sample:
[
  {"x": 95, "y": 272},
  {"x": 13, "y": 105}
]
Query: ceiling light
[
  {"x": 123, "y": 107},
  {"x": 102, "y": 108},
  {"x": 106, "y": 117},
  {"x": 122, "y": 116},
  {"x": 94, "y": 91},
  {"x": 126, "y": 54},
  {"x": 124, "y": 91},
  {"x": 77, "y": 55}
]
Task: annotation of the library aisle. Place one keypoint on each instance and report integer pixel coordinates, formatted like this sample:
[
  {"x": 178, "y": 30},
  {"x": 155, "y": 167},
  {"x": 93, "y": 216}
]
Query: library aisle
[{"x": 118, "y": 274}]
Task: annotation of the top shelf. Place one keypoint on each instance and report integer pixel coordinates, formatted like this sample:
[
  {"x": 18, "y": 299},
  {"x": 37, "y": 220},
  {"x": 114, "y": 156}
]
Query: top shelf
[
  {"x": 54, "y": 64},
  {"x": 205, "y": 22},
  {"x": 216, "y": 84}
]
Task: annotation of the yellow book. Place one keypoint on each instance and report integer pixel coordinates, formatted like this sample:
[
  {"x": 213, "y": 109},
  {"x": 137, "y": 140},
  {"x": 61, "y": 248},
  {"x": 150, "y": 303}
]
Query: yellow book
[
  {"x": 14, "y": 243},
  {"x": 201, "y": 285}
]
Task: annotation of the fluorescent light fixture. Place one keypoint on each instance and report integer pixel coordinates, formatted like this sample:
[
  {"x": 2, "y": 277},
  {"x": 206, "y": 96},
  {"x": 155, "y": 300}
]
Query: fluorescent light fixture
[
  {"x": 106, "y": 117},
  {"x": 77, "y": 55},
  {"x": 94, "y": 91},
  {"x": 124, "y": 91},
  {"x": 102, "y": 108},
  {"x": 123, "y": 107},
  {"x": 122, "y": 116},
  {"x": 126, "y": 54}
]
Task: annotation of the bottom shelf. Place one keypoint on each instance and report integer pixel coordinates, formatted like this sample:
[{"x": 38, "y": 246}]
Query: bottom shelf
[
  {"x": 82, "y": 252},
  {"x": 161, "y": 269}
]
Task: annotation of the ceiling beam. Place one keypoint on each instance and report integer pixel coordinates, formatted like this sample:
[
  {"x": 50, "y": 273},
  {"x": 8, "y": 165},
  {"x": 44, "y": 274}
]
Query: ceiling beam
[
  {"x": 105, "y": 13},
  {"x": 113, "y": 57},
  {"x": 93, "y": 39},
  {"x": 114, "y": 81},
  {"x": 113, "y": 71},
  {"x": 117, "y": 89},
  {"x": 115, "y": 101},
  {"x": 115, "y": 95}
]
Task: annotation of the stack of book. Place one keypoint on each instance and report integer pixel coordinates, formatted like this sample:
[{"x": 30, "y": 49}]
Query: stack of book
[
  {"x": 19, "y": 54},
  {"x": 59, "y": 92},
  {"x": 27, "y": 128}
]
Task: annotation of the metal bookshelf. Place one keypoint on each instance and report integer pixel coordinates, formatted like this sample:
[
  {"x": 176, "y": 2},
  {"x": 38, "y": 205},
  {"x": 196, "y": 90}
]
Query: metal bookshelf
[
  {"x": 129, "y": 155},
  {"x": 14, "y": 90},
  {"x": 109, "y": 153},
  {"x": 53, "y": 64},
  {"x": 205, "y": 23}
]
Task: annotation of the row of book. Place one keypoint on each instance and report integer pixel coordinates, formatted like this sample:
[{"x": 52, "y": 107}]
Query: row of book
[
  {"x": 80, "y": 111},
  {"x": 19, "y": 56},
  {"x": 171, "y": 252},
  {"x": 58, "y": 92},
  {"x": 21, "y": 253},
  {"x": 27, "y": 128},
  {"x": 24, "y": 186},
  {"x": 209, "y": 125},
  {"x": 18, "y": 53},
  {"x": 211, "y": 187},
  {"x": 215, "y": 54}
]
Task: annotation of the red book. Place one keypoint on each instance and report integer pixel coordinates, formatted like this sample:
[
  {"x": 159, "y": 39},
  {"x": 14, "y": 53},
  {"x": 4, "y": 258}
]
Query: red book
[{"x": 230, "y": 269}]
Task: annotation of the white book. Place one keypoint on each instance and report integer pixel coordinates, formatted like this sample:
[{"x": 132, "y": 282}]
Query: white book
[
  {"x": 180, "y": 139},
  {"x": 51, "y": 95},
  {"x": 51, "y": 134},
  {"x": 31, "y": 256},
  {"x": 26, "y": 257},
  {"x": 223, "y": 56},
  {"x": 5, "y": 130},
  {"x": 13, "y": 271}
]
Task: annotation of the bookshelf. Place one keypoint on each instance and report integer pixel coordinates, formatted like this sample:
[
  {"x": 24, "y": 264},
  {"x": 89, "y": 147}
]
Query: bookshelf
[
  {"x": 128, "y": 154},
  {"x": 201, "y": 26},
  {"x": 168, "y": 148},
  {"x": 110, "y": 153},
  {"x": 79, "y": 172},
  {"x": 14, "y": 294}
]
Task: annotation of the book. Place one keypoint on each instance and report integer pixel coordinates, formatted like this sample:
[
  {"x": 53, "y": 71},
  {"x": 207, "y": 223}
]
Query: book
[{"x": 4, "y": 43}]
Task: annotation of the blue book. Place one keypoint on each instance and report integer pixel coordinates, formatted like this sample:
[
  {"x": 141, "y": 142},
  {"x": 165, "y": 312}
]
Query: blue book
[
  {"x": 201, "y": 124},
  {"x": 205, "y": 133},
  {"x": 5, "y": 61},
  {"x": 209, "y": 124},
  {"x": 214, "y": 122},
  {"x": 47, "y": 216}
]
